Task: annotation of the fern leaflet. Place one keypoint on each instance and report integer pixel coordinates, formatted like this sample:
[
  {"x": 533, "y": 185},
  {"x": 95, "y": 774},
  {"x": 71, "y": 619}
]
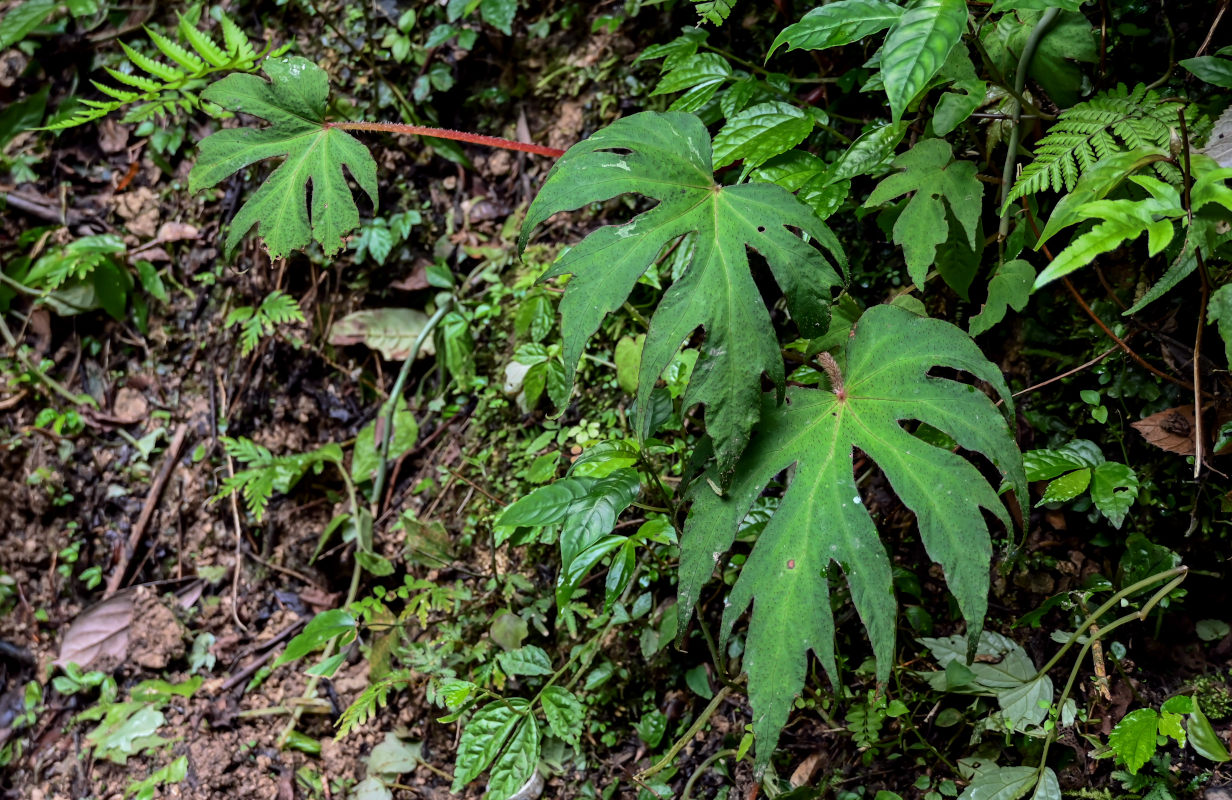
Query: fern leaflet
[
  {"x": 714, "y": 11},
  {"x": 276, "y": 309},
  {"x": 1111, "y": 122},
  {"x": 372, "y": 699},
  {"x": 168, "y": 87},
  {"x": 268, "y": 473}
]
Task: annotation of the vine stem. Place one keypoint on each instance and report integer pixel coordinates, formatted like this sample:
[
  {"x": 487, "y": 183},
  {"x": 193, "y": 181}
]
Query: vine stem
[
  {"x": 705, "y": 765},
  {"x": 1020, "y": 82},
  {"x": 1178, "y": 576},
  {"x": 697, "y": 725},
  {"x": 446, "y": 133},
  {"x": 395, "y": 395}
]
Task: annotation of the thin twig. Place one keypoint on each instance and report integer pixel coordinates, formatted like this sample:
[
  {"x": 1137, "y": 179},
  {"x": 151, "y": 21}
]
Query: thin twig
[
  {"x": 1066, "y": 374},
  {"x": 147, "y": 510}
]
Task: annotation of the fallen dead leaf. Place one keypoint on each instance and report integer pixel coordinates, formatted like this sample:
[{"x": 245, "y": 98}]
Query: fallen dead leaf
[
  {"x": 803, "y": 774},
  {"x": 99, "y": 633},
  {"x": 1171, "y": 430},
  {"x": 112, "y": 136},
  {"x": 392, "y": 331},
  {"x": 139, "y": 208}
]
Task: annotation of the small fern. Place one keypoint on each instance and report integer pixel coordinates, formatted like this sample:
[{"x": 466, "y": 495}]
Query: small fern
[
  {"x": 1108, "y": 123},
  {"x": 371, "y": 700},
  {"x": 715, "y": 12},
  {"x": 173, "y": 86},
  {"x": 276, "y": 309},
  {"x": 268, "y": 473}
]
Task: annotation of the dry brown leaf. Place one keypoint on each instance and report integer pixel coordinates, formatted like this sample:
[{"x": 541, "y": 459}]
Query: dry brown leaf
[
  {"x": 1171, "y": 430},
  {"x": 803, "y": 774},
  {"x": 100, "y": 632}
]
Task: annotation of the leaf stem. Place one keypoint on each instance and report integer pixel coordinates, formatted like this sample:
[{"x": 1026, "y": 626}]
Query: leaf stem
[{"x": 446, "y": 133}]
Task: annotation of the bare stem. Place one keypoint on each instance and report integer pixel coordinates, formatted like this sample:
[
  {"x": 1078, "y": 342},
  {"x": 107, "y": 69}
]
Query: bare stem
[{"x": 446, "y": 133}]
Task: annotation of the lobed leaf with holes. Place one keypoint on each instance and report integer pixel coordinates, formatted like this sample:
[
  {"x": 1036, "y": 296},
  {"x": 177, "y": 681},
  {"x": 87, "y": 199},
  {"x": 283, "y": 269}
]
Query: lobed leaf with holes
[
  {"x": 668, "y": 157},
  {"x": 293, "y": 102},
  {"x": 821, "y": 519}
]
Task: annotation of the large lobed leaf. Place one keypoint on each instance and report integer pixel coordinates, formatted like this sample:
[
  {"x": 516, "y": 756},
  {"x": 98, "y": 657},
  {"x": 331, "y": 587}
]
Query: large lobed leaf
[
  {"x": 821, "y": 519},
  {"x": 667, "y": 157},
  {"x": 293, "y": 102}
]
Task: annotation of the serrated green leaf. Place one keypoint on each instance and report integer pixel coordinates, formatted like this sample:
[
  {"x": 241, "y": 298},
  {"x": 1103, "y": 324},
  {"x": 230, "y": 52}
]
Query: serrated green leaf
[
  {"x": 238, "y": 45},
  {"x": 293, "y": 102},
  {"x": 1114, "y": 487},
  {"x": 526, "y": 660},
  {"x": 153, "y": 66},
  {"x": 821, "y": 518},
  {"x": 1000, "y": 783},
  {"x": 1133, "y": 738},
  {"x": 759, "y": 133},
  {"x": 869, "y": 154},
  {"x": 517, "y": 763},
  {"x": 564, "y": 713},
  {"x": 1066, "y": 487},
  {"x": 837, "y": 24},
  {"x": 699, "y": 77},
  {"x": 917, "y": 46},
  {"x": 483, "y": 736},
  {"x": 667, "y": 157},
  {"x": 1010, "y": 287},
  {"x": 930, "y": 171}
]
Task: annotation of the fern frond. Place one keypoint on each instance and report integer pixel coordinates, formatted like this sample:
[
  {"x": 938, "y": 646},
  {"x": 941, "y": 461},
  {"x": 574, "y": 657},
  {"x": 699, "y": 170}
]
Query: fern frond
[
  {"x": 203, "y": 44},
  {"x": 714, "y": 11},
  {"x": 371, "y": 700},
  {"x": 176, "y": 52},
  {"x": 279, "y": 308},
  {"x": 1111, "y": 122},
  {"x": 171, "y": 87}
]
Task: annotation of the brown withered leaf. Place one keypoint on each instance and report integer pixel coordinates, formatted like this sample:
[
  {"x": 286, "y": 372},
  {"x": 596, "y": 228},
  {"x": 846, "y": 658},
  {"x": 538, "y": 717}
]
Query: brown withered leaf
[
  {"x": 99, "y": 634},
  {"x": 1171, "y": 430}
]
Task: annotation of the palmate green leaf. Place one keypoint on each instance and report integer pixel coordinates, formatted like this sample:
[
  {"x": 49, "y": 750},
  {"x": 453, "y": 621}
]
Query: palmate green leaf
[
  {"x": 667, "y": 157},
  {"x": 917, "y": 46},
  {"x": 1010, "y": 287},
  {"x": 821, "y": 518},
  {"x": 929, "y": 170},
  {"x": 837, "y": 24},
  {"x": 293, "y": 102}
]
